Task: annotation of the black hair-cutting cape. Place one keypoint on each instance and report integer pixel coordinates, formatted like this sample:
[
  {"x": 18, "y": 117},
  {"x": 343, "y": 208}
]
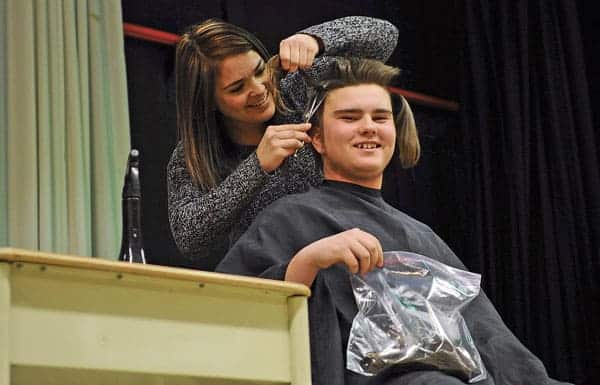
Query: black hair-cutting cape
[{"x": 295, "y": 221}]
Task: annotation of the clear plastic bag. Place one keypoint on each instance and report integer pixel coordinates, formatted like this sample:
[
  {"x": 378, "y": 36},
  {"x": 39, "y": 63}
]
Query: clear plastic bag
[{"x": 409, "y": 315}]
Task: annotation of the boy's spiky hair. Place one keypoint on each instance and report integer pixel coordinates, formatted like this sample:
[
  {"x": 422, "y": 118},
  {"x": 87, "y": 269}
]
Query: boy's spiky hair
[{"x": 348, "y": 72}]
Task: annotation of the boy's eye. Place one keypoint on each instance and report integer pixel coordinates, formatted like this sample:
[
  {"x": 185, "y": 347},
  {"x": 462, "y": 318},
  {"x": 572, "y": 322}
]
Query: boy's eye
[
  {"x": 381, "y": 119},
  {"x": 260, "y": 70},
  {"x": 348, "y": 118}
]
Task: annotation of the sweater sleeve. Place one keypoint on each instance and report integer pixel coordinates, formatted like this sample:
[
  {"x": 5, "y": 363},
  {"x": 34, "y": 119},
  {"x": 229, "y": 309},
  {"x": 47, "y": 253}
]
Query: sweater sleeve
[
  {"x": 358, "y": 36},
  {"x": 201, "y": 220}
]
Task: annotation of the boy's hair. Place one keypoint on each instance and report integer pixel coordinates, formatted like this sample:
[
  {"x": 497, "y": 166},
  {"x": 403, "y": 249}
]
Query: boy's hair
[{"x": 347, "y": 72}]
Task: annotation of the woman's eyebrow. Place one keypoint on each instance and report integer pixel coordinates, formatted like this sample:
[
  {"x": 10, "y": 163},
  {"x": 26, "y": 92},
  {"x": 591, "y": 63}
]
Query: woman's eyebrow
[{"x": 236, "y": 82}]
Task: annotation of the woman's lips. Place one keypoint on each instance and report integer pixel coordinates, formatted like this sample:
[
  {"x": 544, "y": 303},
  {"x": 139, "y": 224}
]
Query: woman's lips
[{"x": 261, "y": 103}]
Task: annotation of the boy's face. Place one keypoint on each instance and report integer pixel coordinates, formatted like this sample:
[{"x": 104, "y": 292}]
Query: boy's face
[{"x": 358, "y": 135}]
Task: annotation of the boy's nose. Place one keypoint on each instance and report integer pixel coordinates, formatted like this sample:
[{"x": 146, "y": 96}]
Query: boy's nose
[{"x": 368, "y": 127}]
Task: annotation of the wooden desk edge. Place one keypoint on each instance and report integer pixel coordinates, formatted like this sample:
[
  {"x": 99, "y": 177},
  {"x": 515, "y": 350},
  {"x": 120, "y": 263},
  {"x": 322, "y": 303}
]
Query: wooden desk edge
[{"x": 14, "y": 255}]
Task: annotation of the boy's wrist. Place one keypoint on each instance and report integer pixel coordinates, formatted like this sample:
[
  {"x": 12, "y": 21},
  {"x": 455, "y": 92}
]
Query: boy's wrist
[{"x": 302, "y": 268}]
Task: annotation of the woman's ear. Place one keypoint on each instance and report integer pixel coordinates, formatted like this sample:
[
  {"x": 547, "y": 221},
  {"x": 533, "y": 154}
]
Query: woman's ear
[{"x": 317, "y": 140}]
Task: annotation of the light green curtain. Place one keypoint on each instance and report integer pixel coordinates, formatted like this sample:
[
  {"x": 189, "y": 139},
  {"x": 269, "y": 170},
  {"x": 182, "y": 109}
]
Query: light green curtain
[
  {"x": 3, "y": 130},
  {"x": 65, "y": 134}
]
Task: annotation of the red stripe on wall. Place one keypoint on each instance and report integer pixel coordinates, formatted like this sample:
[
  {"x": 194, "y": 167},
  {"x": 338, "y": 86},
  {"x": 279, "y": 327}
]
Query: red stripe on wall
[{"x": 161, "y": 37}]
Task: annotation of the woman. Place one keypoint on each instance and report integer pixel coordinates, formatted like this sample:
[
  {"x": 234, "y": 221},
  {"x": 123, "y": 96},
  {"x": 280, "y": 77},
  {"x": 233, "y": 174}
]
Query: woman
[{"x": 235, "y": 151}]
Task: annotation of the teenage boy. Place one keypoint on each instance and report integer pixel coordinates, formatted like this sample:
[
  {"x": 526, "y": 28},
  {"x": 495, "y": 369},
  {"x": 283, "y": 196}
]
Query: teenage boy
[{"x": 344, "y": 225}]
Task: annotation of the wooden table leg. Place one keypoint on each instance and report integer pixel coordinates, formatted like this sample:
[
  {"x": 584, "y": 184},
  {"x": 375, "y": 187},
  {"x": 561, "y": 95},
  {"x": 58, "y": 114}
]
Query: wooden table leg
[
  {"x": 4, "y": 326},
  {"x": 299, "y": 340}
]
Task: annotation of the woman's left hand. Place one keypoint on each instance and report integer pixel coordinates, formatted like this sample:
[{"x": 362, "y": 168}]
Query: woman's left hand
[{"x": 298, "y": 52}]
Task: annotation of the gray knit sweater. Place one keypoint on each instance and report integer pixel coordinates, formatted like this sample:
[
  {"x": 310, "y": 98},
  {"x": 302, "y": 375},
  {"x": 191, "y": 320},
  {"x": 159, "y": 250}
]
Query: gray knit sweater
[{"x": 206, "y": 223}]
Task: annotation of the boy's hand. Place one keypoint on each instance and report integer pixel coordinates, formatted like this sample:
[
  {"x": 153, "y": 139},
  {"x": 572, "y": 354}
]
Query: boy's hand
[{"x": 360, "y": 251}]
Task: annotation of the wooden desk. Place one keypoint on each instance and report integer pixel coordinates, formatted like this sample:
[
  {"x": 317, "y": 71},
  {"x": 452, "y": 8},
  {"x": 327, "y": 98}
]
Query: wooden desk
[{"x": 71, "y": 320}]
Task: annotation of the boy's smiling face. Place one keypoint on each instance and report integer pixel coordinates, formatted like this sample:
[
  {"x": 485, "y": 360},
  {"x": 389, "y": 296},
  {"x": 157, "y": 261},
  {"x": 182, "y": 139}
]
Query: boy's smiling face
[{"x": 358, "y": 134}]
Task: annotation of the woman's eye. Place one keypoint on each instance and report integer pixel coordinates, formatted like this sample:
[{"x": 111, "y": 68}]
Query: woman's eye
[
  {"x": 260, "y": 71},
  {"x": 237, "y": 88}
]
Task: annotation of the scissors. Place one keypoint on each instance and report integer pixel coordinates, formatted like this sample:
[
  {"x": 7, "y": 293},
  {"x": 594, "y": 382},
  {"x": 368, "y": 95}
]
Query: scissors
[{"x": 315, "y": 101}]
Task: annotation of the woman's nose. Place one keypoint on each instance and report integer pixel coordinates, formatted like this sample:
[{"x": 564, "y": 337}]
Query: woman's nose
[{"x": 257, "y": 86}]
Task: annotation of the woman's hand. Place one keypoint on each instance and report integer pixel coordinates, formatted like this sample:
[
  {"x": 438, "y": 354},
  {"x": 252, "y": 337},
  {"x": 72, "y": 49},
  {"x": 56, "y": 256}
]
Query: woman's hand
[
  {"x": 298, "y": 52},
  {"x": 360, "y": 251},
  {"x": 279, "y": 142}
]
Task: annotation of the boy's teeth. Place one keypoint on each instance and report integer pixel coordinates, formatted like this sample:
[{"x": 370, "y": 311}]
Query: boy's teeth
[{"x": 367, "y": 145}]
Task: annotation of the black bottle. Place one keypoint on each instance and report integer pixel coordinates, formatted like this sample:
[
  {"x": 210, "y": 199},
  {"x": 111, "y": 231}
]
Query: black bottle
[{"x": 132, "y": 245}]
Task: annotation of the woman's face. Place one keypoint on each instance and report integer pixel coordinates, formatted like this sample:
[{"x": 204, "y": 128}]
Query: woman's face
[{"x": 241, "y": 89}]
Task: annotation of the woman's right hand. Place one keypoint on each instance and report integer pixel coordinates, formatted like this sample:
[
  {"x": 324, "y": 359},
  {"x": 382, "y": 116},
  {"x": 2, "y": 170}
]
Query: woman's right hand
[{"x": 279, "y": 142}]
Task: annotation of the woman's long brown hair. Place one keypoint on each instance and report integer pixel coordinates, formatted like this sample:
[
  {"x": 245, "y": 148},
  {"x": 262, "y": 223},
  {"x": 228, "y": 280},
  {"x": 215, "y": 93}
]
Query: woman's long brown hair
[{"x": 198, "y": 53}]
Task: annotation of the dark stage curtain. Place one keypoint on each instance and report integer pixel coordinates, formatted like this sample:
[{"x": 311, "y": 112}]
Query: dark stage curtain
[{"x": 531, "y": 183}]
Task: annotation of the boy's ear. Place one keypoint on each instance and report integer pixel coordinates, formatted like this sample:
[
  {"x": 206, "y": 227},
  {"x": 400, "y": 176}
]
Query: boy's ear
[{"x": 317, "y": 140}]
